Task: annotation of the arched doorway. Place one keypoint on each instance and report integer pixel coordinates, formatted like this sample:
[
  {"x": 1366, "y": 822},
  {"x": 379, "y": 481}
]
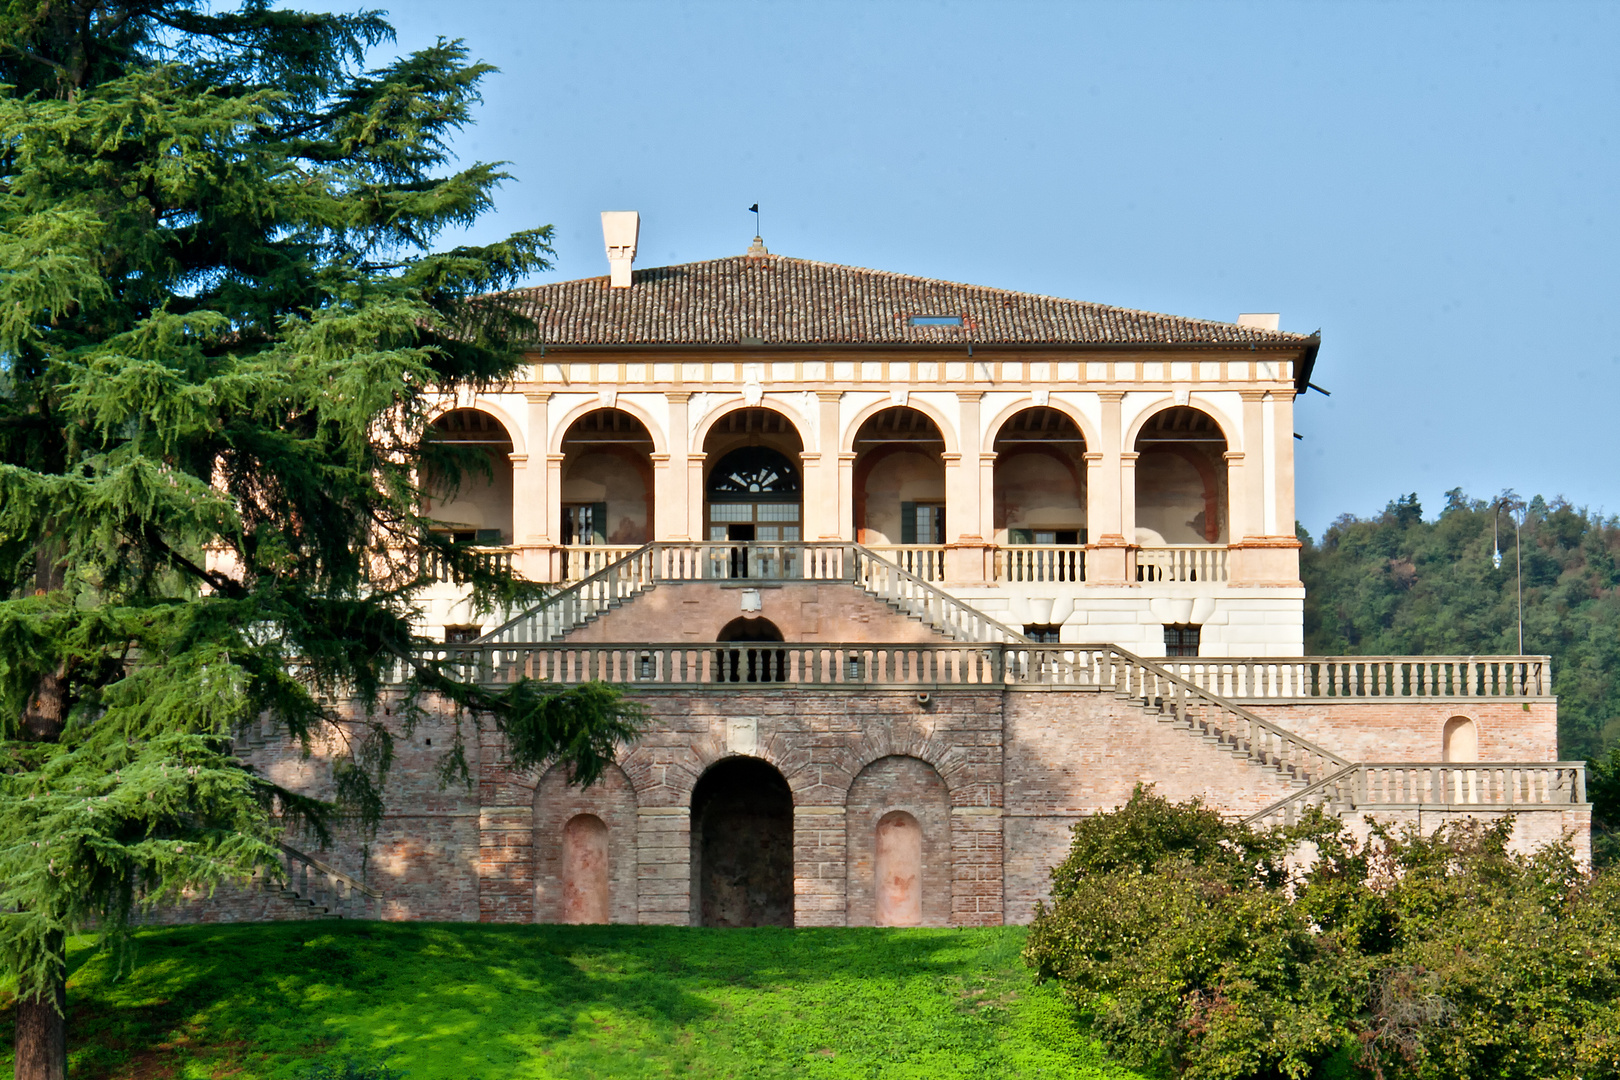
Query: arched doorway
[
  {"x": 742, "y": 846},
  {"x": 1181, "y": 497},
  {"x": 753, "y": 496},
  {"x": 607, "y": 489},
  {"x": 470, "y": 485},
  {"x": 750, "y": 664},
  {"x": 1040, "y": 497},
  {"x": 899, "y": 489}
]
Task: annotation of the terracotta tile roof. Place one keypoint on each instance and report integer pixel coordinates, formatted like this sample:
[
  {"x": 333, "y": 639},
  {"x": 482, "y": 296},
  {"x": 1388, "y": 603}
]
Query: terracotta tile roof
[{"x": 775, "y": 300}]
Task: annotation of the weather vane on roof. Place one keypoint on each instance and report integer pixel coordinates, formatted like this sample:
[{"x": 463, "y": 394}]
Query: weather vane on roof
[{"x": 755, "y": 211}]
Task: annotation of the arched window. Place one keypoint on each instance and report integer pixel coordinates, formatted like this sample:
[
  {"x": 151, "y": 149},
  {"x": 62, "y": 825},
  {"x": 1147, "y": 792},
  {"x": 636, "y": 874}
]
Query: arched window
[
  {"x": 751, "y": 663},
  {"x": 754, "y": 497},
  {"x": 585, "y": 870},
  {"x": 899, "y": 489},
  {"x": 470, "y": 480},
  {"x": 898, "y": 867}
]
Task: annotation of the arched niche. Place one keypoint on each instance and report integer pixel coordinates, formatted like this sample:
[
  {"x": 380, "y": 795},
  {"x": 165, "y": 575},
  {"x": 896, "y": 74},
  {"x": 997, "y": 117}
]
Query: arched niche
[
  {"x": 585, "y": 875},
  {"x": 567, "y": 880},
  {"x": 893, "y": 785},
  {"x": 1460, "y": 740},
  {"x": 742, "y": 845},
  {"x": 1181, "y": 479},
  {"x": 898, "y": 486},
  {"x": 898, "y": 863},
  {"x": 469, "y": 477},
  {"x": 607, "y": 484}
]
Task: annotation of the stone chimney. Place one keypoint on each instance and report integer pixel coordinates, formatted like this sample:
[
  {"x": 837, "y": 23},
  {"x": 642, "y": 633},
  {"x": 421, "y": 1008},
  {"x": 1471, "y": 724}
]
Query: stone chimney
[
  {"x": 1260, "y": 320},
  {"x": 620, "y": 228}
]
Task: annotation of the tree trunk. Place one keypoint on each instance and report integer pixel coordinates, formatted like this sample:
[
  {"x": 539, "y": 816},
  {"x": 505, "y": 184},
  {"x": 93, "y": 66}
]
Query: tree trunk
[{"x": 42, "y": 1033}]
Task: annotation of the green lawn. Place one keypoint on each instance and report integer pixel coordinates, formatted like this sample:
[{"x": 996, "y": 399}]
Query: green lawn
[{"x": 458, "y": 1001}]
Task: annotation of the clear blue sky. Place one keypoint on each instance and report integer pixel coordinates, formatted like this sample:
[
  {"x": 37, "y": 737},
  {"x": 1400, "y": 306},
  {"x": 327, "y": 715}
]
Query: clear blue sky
[{"x": 1431, "y": 185}]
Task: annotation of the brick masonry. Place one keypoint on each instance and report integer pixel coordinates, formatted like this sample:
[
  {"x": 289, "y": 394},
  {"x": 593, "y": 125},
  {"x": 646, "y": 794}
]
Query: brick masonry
[{"x": 995, "y": 777}]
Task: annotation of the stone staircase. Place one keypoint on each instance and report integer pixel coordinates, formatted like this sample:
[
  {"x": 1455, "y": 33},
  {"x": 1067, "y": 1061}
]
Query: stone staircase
[
  {"x": 1223, "y": 725},
  {"x": 320, "y": 891},
  {"x": 645, "y": 568}
]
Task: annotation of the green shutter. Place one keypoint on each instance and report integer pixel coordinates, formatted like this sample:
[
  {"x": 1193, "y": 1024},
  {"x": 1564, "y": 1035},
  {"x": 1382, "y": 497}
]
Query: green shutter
[
  {"x": 599, "y": 523},
  {"x": 1016, "y": 537},
  {"x": 908, "y": 523}
]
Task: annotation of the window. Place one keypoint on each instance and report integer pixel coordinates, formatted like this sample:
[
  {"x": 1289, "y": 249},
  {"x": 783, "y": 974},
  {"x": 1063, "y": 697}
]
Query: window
[
  {"x": 1181, "y": 640},
  {"x": 1042, "y": 633},
  {"x": 584, "y": 524},
  {"x": 461, "y": 635},
  {"x": 935, "y": 320},
  {"x": 922, "y": 523}
]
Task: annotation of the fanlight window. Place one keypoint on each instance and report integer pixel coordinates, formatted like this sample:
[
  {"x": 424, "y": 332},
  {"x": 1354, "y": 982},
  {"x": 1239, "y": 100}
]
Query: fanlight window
[{"x": 754, "y": 472}]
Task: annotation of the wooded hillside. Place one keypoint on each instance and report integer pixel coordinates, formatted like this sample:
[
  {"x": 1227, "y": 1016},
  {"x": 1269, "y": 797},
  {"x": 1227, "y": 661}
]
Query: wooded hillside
[{"x": 1398, "y": 584}]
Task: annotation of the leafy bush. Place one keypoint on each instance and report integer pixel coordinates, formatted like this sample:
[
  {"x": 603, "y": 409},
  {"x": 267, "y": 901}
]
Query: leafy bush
[
  {"x": 1197, "y": 951},
  {"x": 351, "y": 1068}
]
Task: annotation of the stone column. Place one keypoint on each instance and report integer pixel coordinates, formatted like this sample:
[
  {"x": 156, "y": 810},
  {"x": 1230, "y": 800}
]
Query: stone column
[
  {"x": 531, "y": 492},
  {"x": 1282, "y": 443},
  {"x": 1253, "y": 480},
  {"x": 846, "y": 491},
  {"x": 695, "y": 525},
  {"x": 965, "y": 561},
  {"x": 832, "y": 493},
  {"x": 987, "y": 509},
  {"x": 670, "y": 497},
  {"x": 554, "y": 464},
  {"x": 662, "y": 491},
  {"x": 812, "y": 525},
  {"x": 1127, "y": 510},
  {"x": 1105, "y": 529}
]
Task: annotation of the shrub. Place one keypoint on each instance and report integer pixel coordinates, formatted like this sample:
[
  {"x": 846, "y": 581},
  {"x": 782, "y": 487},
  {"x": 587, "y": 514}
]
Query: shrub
[
  {"x": 1408, "y": 956},
  {"x": 353, "y": 1068}
]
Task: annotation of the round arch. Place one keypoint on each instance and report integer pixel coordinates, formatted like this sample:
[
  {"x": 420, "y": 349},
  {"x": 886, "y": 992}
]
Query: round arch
[
  {"x": 1222, "y": 420},
  {"x": 559, "y": 427},
  {"x": 706, "y": 422},
  {"x": 514, "y": 430},
  {"x": 742, "y": 869},
  {"x": 1088, "y": 430},
  {"x": 947, "y": 432}
]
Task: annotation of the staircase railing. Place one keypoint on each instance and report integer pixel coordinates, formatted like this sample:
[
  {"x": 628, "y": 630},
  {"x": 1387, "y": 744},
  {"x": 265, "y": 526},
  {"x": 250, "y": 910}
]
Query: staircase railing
[
  {"x": 569, "y": 608},
  {"x": 934, "y": 606},
  {"x": 314, "y": 882},
  {"x": 1470, "y": 786},
  {"x": 1225, "y": 722},
  {"x": 739, "y": 563}
]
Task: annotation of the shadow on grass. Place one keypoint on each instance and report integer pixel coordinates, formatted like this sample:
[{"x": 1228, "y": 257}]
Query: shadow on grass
[{"x": 491, "y": 994}]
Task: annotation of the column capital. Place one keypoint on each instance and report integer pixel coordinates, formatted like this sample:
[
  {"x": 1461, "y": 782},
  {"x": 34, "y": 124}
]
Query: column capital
[
  {"x": 518, "y": 460},
  {"x": 678, "y": 397},
  {"x": 1235, "y": 457},
  {"x": 557, "y": 459},
  {"x": 1093, "y": 455},
  {"x": 537, "y": 397},
  {"x": 950, "y": 459},
  {"x": 1128, "y": 457},
  {"x": 1253, "y": 395},
  {"x": 811, "y": 456},
  {"x": 969, "y": 395},
  {"x": 658, "y": 459},
  {"x": 1110, "y": 397},
  {"x": 829, "y": 395},
  {"x": 846, "y": 455}
]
